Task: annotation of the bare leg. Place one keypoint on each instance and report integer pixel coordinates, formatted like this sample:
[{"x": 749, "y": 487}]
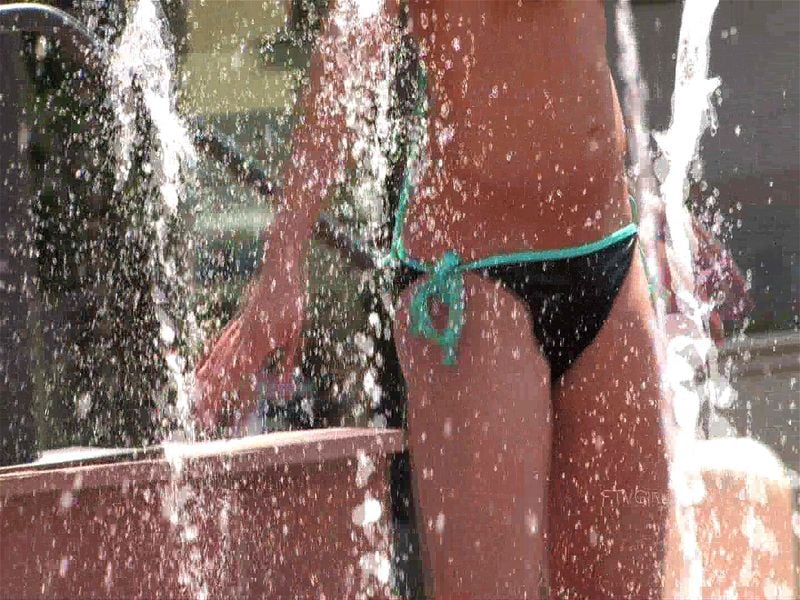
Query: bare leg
[
  {"x": 609, "y": 474},
  {"x": 479, "y": 436}
]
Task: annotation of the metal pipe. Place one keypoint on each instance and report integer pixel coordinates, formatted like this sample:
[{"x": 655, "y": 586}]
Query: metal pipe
[
  {"x": 327, "y": 230},
  {"x": 241, "y": 168},
  {"x": 83, "y": 47}
]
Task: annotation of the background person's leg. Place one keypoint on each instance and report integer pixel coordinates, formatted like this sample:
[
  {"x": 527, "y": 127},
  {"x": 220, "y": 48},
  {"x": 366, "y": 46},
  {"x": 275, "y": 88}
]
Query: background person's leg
[
  {"x": 479, "y": 437},
  {"x": 608, "y": 491}
]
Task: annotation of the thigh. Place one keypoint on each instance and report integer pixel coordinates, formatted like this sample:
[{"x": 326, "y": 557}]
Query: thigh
[
  {"x": 609, "y": 471},
  {"x": 479, "y": 440}
]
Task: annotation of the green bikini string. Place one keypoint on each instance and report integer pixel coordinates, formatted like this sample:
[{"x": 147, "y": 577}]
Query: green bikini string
[
  {"x": 398, "y": 252},
  {"x": 446, "y": 284},
  {"x": 446, "y": 281}
]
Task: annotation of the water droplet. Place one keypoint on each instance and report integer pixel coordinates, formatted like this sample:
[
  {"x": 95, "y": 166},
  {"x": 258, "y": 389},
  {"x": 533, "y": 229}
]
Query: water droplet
[
  {"x": 41, "y": 48},
  {"x": 167, "y": 333},
  {"x": 67, "y": 499},
  {"x": 364, "y": 469},
  {"x": 440, "y": 521},
  {"x": 593, "y": 537},
  {"x": 368, "y": 512},
  {"x": 190, "y": 533},
  {"x": 532, "y": 523},
  {"x": 83, "y": 404},
  {"x": 448, "y": 427},
  {"x": 377, "y": 565}
]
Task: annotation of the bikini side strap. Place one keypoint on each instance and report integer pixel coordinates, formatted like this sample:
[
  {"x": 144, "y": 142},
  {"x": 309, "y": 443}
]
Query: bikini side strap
[{"x": 398, "y": 251}]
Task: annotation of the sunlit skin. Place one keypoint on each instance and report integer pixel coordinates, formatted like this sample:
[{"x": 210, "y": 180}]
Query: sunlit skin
[{"x": 517, "y": 478}]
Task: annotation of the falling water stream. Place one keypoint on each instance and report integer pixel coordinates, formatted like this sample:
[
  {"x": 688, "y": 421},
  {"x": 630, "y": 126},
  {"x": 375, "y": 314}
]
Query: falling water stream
[
  {"x": 692, "y": 114},
  {"x": 140, "y": 77},
  {"x": 662, "y": 185},
  {"x": 141, "y": 80}
]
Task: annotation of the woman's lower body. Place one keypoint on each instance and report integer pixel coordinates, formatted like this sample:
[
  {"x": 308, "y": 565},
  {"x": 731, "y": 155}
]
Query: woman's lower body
[{"x": 521, "y": 479}]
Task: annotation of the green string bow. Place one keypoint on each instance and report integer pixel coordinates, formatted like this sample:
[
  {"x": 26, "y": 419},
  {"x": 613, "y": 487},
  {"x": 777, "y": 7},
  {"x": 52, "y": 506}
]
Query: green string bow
[{"x": 446, "y": 283}]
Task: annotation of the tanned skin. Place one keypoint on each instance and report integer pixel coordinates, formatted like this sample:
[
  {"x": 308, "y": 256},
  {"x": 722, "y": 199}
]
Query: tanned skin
[{"x": 520, "y": 481}]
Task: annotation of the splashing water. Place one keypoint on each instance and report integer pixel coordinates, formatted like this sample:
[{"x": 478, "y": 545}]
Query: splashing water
[
  {"x": 143, "y": 63},
  {"x": 141, "y": 70},
  {"x": 367, "y": 103},
  {"x": 692, "y": 115},
  {"x": 140, "y": 78}
]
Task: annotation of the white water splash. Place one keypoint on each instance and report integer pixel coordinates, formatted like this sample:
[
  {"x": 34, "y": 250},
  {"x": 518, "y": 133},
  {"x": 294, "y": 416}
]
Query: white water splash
[
  {"x": 367, "y": 102},
  {"x": 179, "y": 505},
  {"x": 142, "y": 63},
  {"x": 140, "y": 78},
  {"x": 685, "y": 351},
  {"x": 692, "y": 113},
  {"x": 370, "y": 518}
]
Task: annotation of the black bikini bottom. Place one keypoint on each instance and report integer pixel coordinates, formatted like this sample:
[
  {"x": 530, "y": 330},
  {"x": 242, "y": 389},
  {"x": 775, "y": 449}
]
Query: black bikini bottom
[{"x": 569, "y": 299}]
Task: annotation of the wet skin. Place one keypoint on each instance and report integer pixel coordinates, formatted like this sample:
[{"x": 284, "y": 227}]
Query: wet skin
[
  {"x": 512, "y": 472},
  {"x": 526, "y": 139}
]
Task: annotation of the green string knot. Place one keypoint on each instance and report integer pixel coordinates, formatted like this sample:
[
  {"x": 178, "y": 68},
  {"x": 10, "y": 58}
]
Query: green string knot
[{"x": 446, "y": 284}]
